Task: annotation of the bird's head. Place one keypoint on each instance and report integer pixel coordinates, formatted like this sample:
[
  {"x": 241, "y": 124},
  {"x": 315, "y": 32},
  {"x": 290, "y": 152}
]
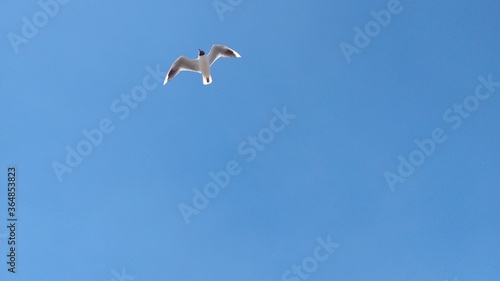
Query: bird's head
[{"x": 201, "y": 53}]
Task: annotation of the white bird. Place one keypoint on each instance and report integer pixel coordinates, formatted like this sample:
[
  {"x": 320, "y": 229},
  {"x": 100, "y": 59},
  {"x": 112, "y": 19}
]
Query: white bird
[{"x": 201, "y": 64}]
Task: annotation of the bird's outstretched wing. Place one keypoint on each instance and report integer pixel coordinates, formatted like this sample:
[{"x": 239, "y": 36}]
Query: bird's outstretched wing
[
  {"x": 218, "y": 51},
  {"x": 182, "y": 63}
]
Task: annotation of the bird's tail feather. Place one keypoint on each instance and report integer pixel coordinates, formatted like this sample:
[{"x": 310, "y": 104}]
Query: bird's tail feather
[{"x": 207, "y": 80}]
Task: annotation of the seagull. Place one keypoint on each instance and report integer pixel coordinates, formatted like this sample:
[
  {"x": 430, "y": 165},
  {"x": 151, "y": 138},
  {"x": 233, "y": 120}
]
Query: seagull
[{"x": 201, "y": 64}]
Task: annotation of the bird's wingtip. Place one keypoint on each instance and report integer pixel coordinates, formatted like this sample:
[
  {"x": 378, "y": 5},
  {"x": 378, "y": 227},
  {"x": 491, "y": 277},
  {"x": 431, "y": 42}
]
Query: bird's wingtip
[{"x": 236, "y": 54}]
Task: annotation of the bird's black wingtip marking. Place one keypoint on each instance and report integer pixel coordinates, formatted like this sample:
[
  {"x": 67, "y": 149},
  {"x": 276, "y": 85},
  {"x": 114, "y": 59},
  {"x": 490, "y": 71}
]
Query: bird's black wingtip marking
[
  {"x": 172, "y": 72},
  {"x": 230, "y": 53}
]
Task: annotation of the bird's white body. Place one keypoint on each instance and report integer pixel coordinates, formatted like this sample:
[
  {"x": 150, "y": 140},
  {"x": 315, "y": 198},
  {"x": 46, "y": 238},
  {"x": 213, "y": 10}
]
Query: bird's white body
[
  {"x": 205, "y": 69},
  {"x": 202, "y": 64}
]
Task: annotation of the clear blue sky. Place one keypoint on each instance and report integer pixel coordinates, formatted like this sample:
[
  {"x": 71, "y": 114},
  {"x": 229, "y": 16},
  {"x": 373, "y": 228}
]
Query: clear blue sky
[{"x": 330, "y": 173}]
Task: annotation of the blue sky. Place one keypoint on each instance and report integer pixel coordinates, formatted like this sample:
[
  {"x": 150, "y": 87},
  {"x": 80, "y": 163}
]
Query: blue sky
[{"x": 357, "y": 165}]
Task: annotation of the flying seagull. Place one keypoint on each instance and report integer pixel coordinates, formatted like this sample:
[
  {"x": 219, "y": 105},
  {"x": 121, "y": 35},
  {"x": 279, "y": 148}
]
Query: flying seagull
[{"x": 201, "y": 64}]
